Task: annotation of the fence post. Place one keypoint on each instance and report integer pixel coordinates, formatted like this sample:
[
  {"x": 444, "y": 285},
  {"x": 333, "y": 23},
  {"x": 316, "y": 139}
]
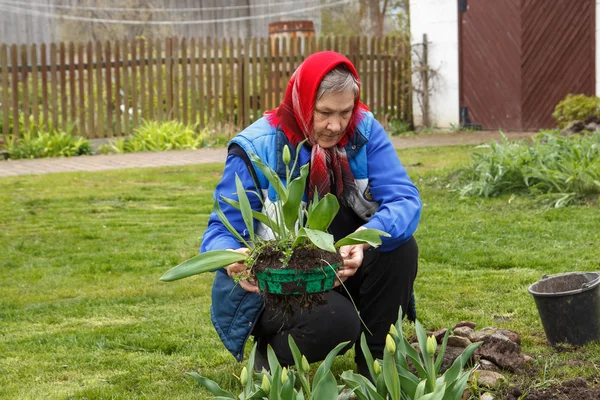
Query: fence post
[{"x": 425, "y": 80}]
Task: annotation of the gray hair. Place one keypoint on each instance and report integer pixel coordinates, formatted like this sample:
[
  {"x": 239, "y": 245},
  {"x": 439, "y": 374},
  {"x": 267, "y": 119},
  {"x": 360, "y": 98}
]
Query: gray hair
[{"x": 338, "y": 80}]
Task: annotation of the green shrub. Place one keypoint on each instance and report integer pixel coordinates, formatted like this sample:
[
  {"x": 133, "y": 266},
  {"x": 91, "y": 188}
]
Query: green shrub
[
  {"x": 559, "y": 170},
  {"x": 169, "y": 135},
  {"x": 576, "y": 108},
  {"x": 42, "y": 143},
  {"x": 397, "y": 127}
]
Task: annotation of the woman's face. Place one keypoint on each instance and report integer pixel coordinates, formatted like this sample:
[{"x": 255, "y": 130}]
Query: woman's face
[{"x": 331, "y": 117}]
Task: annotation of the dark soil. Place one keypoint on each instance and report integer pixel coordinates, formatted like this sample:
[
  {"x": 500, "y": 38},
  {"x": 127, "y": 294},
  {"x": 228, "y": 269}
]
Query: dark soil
[
  {"x": 302, "y": 259},
  {"x": 577, "y": 389}
]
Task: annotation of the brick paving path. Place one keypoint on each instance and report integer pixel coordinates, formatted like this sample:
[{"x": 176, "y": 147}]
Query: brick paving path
[{"x": 205, "y": 156}]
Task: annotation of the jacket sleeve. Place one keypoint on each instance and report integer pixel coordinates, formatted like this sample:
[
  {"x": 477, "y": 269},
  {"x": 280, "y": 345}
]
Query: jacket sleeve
[
  {"x": 217, "y": 236},
  {"x": 398, "y": 198}
]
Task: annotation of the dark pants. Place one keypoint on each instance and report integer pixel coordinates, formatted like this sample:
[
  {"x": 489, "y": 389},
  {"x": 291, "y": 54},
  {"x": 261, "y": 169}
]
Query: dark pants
[{"x": 382, "y": 284}]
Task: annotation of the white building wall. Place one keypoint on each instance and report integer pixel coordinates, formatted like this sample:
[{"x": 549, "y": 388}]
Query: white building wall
[{"x": 439, "y": 20}]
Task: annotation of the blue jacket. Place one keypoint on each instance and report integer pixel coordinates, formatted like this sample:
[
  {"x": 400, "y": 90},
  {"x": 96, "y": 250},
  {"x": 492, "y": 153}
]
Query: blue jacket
[{"x": 387, "y": 199}]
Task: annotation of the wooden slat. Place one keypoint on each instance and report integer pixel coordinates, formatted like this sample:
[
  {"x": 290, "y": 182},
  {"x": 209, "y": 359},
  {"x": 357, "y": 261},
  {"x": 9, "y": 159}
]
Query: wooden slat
[
  {"x": 193, "y": 81},
  {"x": 393, "y": 80},
  {"x": 169, "y": 77},
  {"x": 83, "y": 131},
  {"x": 201, "y": 85},
  {"x": 54, "y": 123},
  {"x": 134, "y": 85},
  {"x": 225, "y": 77},
  {"x": 184, "y": 81},
  {"x": 64, "y": 105},
  {"x": 262, "y": 69},
  {"x": 386, "y": 77},
  {"x": 118, "y": 98},
  {"x": 5, "y": 96},
  {"x": 44, "y": 72},
  {"x": 371, "y": 74},
  {"x": 176, "y": 76},
  {"x": 277, "y": 73},
  {"x": 160, "y": 96},
  {"x": 234, "y": 57},
  {"x": 209, "y": 81},
  {"x": 25, "y": 87},
  {"x": 253, "y": 79},
  {"x": 216, "y": 78},
  {"x": 143, "y": 82},
  {"x": 407, "y": 82},
  {"x": 72, "y": 85},
  {"x": 283, "y": 62},
  {"x": 240, "y": 81},
  {"x": 151, "y": 66},
  {"x": 246, "y": 80},
  {"x": 108, "y": 130},
  {"x": 364, "y": 75},
  {"x": 99, "y": 92},
  {"x": 126, "y": 92},
  {"x": 35, "y": 87}
]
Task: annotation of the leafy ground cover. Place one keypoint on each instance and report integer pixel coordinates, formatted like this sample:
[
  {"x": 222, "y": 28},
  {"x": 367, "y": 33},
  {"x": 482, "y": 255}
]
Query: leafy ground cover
[{"x": 83, "y": 314}]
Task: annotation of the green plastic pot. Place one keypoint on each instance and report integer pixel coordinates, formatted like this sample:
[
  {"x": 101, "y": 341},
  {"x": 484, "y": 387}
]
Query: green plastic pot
[{"x": 289, "y": 282}]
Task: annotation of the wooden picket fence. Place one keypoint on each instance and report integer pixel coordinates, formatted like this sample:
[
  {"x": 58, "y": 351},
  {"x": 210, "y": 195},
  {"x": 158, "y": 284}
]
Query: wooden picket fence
[{"x": 107, "y": 89}]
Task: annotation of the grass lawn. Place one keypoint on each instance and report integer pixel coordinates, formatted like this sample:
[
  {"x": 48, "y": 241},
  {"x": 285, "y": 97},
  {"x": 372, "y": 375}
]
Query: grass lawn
[{"x": 84, "y": 316}]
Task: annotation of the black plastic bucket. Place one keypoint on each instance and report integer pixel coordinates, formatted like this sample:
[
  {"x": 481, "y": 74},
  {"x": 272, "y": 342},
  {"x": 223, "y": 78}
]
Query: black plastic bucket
[{"x": 569, "y": 307}]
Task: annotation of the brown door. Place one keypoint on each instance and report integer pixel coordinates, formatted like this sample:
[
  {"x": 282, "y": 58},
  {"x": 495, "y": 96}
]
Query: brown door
[
  {"x": 490, "y": 65},
  {"x": 519, "y": 58}
]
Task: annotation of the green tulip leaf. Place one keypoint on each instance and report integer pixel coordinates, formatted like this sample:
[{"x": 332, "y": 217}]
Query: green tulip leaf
[
  {"x": 211, "y": 386},
  {"x": 294, "y": 200},
  {"x": 369, "y": 235},
  {"x": 322, "y": 213},
  {"x": 245, "y": 207},
  {"x": 322, "y": 240},
  {"x": 203, "y": 262},
  {"x": 271, "y": 176}
]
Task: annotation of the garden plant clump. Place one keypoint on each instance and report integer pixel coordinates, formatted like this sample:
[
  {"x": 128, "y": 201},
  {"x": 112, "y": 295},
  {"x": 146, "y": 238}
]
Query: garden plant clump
[
  {"x": 390, "y": 378},
  {"x": 46, "y": 143},
  {"x": 298, "y": 231},
  {"x": 167, "y": 135},
  {"x": 556, "y": 170}
]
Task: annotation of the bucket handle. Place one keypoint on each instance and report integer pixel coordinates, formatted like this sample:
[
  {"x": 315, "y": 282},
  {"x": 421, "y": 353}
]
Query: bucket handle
[{"x": 583, "y": 286}]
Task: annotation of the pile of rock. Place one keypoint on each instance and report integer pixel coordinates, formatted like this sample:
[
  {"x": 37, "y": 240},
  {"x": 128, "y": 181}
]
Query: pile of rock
[
  {"x": 590, "y": 124},
  {"x": 500, "y": 350}
]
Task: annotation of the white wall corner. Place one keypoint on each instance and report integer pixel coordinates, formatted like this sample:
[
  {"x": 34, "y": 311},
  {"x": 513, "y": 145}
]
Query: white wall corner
[{"x": 439, "y": 20}]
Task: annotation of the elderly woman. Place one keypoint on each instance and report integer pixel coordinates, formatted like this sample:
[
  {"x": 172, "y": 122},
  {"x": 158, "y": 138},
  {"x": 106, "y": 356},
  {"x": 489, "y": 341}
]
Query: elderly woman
[{"x": 350, "y": 156}]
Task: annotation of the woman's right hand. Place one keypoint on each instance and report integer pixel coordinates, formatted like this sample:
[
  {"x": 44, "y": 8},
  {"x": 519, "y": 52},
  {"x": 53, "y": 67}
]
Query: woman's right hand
[{"x": 240, "y": 270}]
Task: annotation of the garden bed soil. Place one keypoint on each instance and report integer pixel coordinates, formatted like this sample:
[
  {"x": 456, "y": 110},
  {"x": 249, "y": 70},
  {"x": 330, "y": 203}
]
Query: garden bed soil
[{"x": 576, "y": 389}]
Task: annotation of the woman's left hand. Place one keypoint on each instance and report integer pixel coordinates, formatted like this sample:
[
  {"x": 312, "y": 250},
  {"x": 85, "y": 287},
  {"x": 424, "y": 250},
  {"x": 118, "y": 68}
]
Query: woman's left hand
[{"x": 352, "y": 255}]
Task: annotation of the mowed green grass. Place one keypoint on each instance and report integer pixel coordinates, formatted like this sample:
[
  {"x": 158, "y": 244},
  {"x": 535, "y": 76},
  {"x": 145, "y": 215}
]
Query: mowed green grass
[{"x": 84, "y": 316}]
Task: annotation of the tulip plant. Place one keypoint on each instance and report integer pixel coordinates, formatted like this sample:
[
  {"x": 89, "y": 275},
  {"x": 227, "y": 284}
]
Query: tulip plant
[
  {"x": 282, "y": 383},
  {"x": 292, "y": 222},
  {"x": 393, "y": 379}
]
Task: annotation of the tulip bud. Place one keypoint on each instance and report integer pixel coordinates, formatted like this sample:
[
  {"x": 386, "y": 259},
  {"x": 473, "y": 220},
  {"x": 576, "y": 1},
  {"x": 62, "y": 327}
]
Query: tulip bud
[
  {"x": 244, "y": 376},
  {"x": 390, "y": 344},
  {"x": 284, "y": 375},
  {"x": 394, "y": 330},
  {"x": 431, "y": 345},
  {"x": 305, "y": 364},
  {"x": 376, "y": 367},
  {"x": 266, "y": 384},
  {"x": 287, "y": 157}
]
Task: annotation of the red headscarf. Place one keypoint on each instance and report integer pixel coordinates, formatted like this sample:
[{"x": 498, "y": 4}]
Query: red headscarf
[{"x": 295, "y": 116}]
